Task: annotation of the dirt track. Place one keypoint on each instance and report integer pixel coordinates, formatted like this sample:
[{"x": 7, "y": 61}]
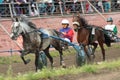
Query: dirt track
[{"x": 111, "y": 54}]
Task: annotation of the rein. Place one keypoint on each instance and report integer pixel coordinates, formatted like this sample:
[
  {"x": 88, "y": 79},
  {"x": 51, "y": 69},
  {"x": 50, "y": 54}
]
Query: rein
[
  {"x": 36, "y": 30},
  {"x": 78, "y": 28}
]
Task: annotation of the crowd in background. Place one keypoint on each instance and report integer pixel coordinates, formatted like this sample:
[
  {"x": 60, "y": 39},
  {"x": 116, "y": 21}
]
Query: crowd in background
[{"x": 50, "y": 7}]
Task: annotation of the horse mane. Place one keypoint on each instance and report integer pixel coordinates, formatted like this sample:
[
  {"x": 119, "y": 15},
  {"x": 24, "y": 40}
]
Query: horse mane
[
  {"x": 25, "y": 19},
  {"x": 83, "y": 22}
]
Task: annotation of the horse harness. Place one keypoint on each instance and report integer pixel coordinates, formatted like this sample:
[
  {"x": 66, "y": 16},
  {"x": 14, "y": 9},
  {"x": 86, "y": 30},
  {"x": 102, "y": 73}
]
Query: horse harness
[
  {"x": 91, "y": 32},
  {"x": 41, "y": 33}
]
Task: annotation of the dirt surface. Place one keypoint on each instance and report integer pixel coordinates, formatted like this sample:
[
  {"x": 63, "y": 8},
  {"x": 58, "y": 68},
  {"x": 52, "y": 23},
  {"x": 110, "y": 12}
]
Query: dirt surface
[
  {"x": 103, "y": 75},
  {"x": 111, "y": 54}
]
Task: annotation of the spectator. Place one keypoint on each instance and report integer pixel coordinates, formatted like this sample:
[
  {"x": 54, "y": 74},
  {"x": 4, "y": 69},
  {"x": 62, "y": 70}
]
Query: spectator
[
  {"x": 111, "y": 29},
  {"x": 67, "y": 32},
  {"x": 1, "y": 7},
  {"x": 33, "y": 10},
  {"x": 62, "y": 6},
  {"x": 50, "y": 6},
  {"x": 107, "y": 5},
  {"x": 25, "y": 7},
  {"x": 100, "y": 6},
  {"x": 118, "y": 3},
  {"x": 42, "y": 6},
  {"x": 75, "y": 5},
  {"x": 6, "y": 10},
  {"x": 69, "y": 5},
  {"x": 114, "y": 4},
  {"x": 88, "y": 8},
  {"x": 19, "y": 6},
  {"x": 1, "y": 1}
]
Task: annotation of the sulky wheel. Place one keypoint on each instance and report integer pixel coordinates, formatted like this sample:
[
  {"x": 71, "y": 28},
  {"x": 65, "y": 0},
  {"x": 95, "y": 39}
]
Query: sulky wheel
[
  {"x": 80, "y": 57},
  {"x": 80, "y": 60},
  {"x": 42, "y": 60}
]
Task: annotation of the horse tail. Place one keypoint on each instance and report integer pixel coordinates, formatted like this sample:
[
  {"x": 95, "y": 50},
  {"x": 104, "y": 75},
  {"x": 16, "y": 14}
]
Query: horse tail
[{"x": 107, "y": 40}]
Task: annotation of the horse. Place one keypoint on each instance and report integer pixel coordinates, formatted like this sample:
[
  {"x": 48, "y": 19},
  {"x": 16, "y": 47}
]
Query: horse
[
  {"x": 88, "y": 34},
  {"x": 34, "y": 41}
]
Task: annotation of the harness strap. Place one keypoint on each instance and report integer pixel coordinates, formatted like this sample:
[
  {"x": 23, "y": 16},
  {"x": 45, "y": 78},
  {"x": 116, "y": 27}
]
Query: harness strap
[
  {"x": 93, "y": 31},
  {"x": 43, "y": 36}
]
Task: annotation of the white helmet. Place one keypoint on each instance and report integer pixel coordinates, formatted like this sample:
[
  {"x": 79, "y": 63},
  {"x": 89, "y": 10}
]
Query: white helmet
[{"x": 65, "y": 21}]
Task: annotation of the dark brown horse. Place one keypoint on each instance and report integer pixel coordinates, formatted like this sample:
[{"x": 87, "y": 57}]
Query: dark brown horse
[{"x": 90, "y": 35}]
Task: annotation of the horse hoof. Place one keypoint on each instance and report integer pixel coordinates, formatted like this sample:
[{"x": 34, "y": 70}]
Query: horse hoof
[
  {"x": 99, "y": 63},
  {"x": 27, "y": 61},
  {"x": 63, "y": 66},
  {"x": 93, "y": 56}
]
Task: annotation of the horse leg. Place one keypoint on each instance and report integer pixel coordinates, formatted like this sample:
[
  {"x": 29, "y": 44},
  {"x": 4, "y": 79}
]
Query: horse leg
[
  {"x": 61, "y": 59},
  {"x": 58, "y": 46},
  {"x": 49, "y": 56},
  {"x": 22, "y": 57},
  {"x": 94, "y": 48},
  {"x": 102, "y": 49},
  {"x": 59, "y": 49},
  {"x": 36, "y": 60},
  {"x": 87, "y": 53}
]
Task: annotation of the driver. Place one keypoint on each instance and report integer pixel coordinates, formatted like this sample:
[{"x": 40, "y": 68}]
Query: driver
[
  {"x": 111, "y": 28},
  {"x": 67, "y": 32}
]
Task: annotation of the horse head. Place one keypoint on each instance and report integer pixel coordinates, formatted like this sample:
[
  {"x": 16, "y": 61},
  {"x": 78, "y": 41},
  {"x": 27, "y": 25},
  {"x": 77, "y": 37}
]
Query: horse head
[
  {"x": 18, "y": 28},
  {"x": 78, "y": 22}
]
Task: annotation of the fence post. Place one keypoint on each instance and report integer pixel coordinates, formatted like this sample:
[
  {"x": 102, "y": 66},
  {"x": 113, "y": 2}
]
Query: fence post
[
  {"x": 10, "y": 10},
  {"x": 9, "y": 36},
  {"x": 60, "y": 6},
  {"x": 82, "y": 7},
  {"x": 29, "y": 9},
  {"x": 37, "y": 7},
  {"x": 11, "y": 51},
  {"x": 97, "y": 10}
]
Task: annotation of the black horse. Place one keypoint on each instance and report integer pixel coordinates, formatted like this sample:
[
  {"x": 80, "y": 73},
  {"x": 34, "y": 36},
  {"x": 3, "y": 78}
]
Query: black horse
[{"x": 34, "y": 40}]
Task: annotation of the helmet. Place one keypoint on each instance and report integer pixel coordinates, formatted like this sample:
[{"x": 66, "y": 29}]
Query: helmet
[
  {"x": 65, "y": 21},
  {"x": 76, "y": 23},
  {"x": 109, "y": 19}
]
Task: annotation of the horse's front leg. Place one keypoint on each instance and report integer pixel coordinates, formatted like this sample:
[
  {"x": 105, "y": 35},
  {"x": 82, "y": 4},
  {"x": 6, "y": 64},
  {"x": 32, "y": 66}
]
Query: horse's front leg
[
  {"x": 86, "y": 51},
  {"x": 23, "y": 53},
  {"x": 94, "y": 48},
  {"x": 103, "y": 50},
  {"x": 61, "y": 59},
  {"x": 49, "y": 57},
  {"x": 37, "y": 60}
]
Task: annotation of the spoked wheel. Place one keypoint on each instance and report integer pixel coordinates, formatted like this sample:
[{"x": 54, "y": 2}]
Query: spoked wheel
[
  {"x": 80, "y": 60},
  {"x": 91, "y": 52},
  {"x": 80, "y": 56},
  {"x": 42, "y": 60}
]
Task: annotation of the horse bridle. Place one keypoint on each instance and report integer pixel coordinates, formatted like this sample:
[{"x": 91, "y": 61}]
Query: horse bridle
[{"x": 15, "y": 33}]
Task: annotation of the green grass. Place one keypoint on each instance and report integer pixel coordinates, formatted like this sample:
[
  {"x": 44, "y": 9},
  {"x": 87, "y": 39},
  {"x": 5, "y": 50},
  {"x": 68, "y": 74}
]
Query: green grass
[
  {"x": 17, "y": 59},
  {"x": 54, "y": 53},
  {"x": 49, "y": 73},
  {"x": 114, "y": 45}
]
